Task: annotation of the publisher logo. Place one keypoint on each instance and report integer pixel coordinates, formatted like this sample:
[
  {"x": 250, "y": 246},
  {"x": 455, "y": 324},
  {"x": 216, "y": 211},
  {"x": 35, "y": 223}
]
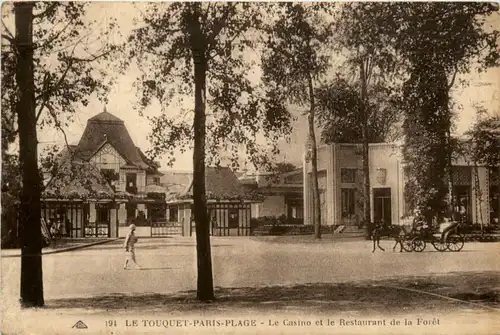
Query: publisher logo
[{"x": 80, "y": 325}]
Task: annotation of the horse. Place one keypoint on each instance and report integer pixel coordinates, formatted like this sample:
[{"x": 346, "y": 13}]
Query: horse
[{"x": 396, "y": 232}]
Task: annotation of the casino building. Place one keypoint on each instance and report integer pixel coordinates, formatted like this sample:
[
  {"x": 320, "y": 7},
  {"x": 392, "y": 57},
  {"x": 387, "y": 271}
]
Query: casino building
[{"x": 340, "y": 182}]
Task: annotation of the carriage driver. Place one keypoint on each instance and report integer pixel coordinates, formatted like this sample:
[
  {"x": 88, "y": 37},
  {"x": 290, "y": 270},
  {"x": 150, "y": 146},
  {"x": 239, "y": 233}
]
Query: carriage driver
[{"x": 446, "y": 231}]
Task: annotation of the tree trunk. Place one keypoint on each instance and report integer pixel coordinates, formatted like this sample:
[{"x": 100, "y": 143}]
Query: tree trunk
[
  {"x": 29, "y": 219},
  {"x": 365, "y": 154},
  {"x": 314, "y": 162},
  {"x": 451, "y": 203},
  {"x": 479, "y": 198},
  {"x": 205, "y": 286}
]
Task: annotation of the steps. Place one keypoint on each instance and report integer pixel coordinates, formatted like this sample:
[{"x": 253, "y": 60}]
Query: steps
[
  {"x": 352, "y": 231},
  {"x": 339, "y": 229}
]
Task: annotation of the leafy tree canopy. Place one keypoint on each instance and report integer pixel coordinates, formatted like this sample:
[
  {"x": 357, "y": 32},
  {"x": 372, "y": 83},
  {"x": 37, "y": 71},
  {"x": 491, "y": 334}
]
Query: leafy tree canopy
[
  {"x": 438, "y": 41},
  {"x": 485, "y": 141},
  {"x": 240, "y": 113},
  {"x": 339, "y": 113},
  {"x": 67, "y": 47},
  {"x": 297, "y": 50}
]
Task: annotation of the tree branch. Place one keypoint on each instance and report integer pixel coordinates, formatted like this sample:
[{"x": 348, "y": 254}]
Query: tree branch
[
  {"x": 51, "y": 7},
  {"x": 207, "y": 13},
  {"x": 369, "y": 68},
  {"x": 46, "y": 95},
  {"x": 221, "y": 23},
  {"x": 211, "y": 56},
  {"x": 49, "y": 41},
  {"x": 57, "y": 123},
  {"x": 159, "y": 27},
  {"x": 91, "y": 59},
  {"x": 9, "y": 33},
  {"x": 57, "y": 170},
  {"x": 159, "y": 54},
  {"x": 71, "y": 61},
  {"x": 452, "y": 82},
  {"x": 8, "y": 38},
  {"x": 77, "y": 42}
]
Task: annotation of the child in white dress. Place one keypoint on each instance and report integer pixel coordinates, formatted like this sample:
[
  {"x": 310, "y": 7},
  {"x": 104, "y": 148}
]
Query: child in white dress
[{"x": 130, "y": 241}]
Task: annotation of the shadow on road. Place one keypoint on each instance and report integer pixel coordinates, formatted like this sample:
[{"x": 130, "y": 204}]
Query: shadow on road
[
  {"x": 366, "y": 297},
  {"x": 151, "y": 245}
]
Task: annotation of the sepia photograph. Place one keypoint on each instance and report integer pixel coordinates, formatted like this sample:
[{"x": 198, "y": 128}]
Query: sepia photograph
[{"x": 250, "y": 167}]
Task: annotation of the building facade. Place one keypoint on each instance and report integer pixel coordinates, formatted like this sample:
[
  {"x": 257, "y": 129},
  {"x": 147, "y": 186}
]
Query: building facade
[
  {"x": 341, "y": 190},
  {"x": 103, "y": 184},
  {"x": 229, "y": 203},
  {"x": 282, "y": 195}
]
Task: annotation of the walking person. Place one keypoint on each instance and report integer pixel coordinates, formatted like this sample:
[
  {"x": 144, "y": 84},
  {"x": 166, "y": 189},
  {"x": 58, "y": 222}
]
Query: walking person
[
  {"x": 130, "y": 241},
  {"x": 213, "y": 225}
]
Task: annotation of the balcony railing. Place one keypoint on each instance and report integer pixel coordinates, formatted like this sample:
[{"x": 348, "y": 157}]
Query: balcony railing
[{"x": 131, "y": 189}]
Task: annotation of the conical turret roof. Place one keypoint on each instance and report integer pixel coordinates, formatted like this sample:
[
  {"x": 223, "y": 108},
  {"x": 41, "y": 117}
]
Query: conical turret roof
[{"x": 106, "y": 128}]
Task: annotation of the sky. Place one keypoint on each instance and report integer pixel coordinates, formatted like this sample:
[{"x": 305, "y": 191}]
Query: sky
[{"x": 483, "y": 89}]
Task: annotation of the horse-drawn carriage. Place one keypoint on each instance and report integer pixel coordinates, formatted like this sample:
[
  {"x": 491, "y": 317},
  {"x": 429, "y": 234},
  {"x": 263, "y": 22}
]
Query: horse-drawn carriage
[
  {"x": 419, "y": 236},
  {"x": 448, "y": 240}
]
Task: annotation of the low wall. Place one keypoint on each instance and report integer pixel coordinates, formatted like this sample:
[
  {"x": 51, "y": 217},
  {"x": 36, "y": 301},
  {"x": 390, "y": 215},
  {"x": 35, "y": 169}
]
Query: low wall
[{"x": 139, "y": 231}]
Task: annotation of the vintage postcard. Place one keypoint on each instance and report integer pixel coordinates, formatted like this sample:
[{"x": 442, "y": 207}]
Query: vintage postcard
[{"x": 250, "y": 168}]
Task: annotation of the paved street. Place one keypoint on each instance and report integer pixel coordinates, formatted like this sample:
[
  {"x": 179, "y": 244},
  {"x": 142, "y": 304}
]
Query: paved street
[{"x": 169, "y": 267}]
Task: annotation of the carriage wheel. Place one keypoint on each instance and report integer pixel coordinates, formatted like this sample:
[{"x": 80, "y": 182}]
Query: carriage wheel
[
  {"x": 418, "y": 245},
  {"x": 407, "y": 245},
  {"x": 455, "y": 242},
  {"x": 439, "y": 246}
]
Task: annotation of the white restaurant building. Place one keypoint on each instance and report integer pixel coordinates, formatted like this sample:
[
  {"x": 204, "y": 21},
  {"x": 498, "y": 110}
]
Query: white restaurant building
[{"x": 340, "y": 183}]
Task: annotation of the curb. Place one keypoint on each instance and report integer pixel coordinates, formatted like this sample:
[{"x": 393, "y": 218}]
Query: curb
[{"x": 76, "y": 247}]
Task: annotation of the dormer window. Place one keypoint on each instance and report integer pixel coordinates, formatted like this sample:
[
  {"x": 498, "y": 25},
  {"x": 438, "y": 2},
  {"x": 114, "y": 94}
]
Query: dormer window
[
  {"x": 131, "y": 180},
  {"x": 111, "y": 177}
]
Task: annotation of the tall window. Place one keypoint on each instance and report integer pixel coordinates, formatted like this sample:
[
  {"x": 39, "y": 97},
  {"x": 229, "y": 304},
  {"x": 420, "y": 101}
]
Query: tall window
[
  {"x": 131, "y": 179},
  {"x": 130, "y": 210},
  {"x": 173, "y": 215},
  {"x": 233, "y": 218},
  {"x": 102, "y": 213},
  {"x": 157, "y": 212},
  {"x": 348, "y": 202},
  {"x": 494, "y": 195}
]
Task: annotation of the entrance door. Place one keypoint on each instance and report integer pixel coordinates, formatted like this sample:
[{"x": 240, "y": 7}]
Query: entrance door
[
  {"x": 382, "y": 205},
  {"x": 102, "y": 223},
  {"x": 233, "y": 218},
  {"x": 463, "y": 202}
]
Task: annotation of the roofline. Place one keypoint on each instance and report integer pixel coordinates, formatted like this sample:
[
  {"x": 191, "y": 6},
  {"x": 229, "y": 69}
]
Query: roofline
[
  {"x": 394, "y": 143},
  {"x": 189, "y": 187},
  {"x": 210, "y": 201},
  {"x": 106, "y": 141},
  {"x": 291, "y": 173},
  {"x": 100, "y": 147},
  {"x": 157, "y": 172},
  {"x": 133, "y": 167}
]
